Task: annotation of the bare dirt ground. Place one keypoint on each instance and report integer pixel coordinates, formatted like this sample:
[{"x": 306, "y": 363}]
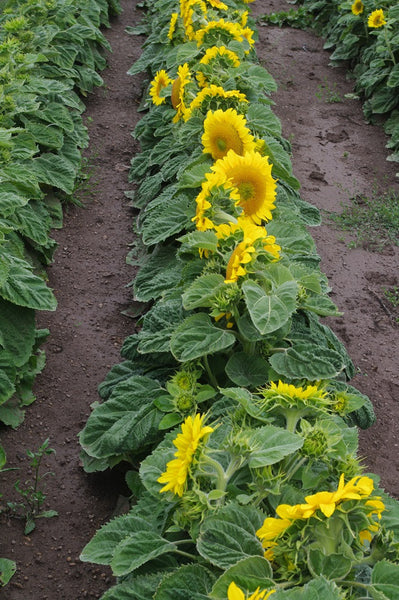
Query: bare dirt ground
[{"x": 335, "y": 156}]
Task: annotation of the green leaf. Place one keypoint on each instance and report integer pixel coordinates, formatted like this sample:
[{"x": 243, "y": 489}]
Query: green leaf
[
  {"x": 262, "y": 120},
  {"x": 230, "y": 535},
  {"x": 26, "y": 289},
  {"x": 127, "y": 422},
  {"x": 197, "y": 337},
  {"x": 138, "y": 549},
  {"x": 385, "y": 579},
  {"x": 160, "y": 273},
  {"x": 57, "y": 114},
  {"x": 261, "y": 79},
  {"x": 10, "y": 202},
  {"x": 17, "y": 332},
  {"x": 200, "y": 240},
  {"x": 194, "y": 175},
  {"x": 162, "y": 221},
  {"x": 141, "y": 587},
  {"x": 307, "y": 360},
  {"x": 271, "y": 444},
  {"x": 101, "y": 547},
  {"x": 190, "y": 582},
  {"x": 332, "y": 566},
  {"x": 158, "y": 326},
  {"x": 249, "y": 574},
  {"x": 270, "y": 311},
  {"x": 202, "y": 291},
  {"x": 55, "y": 170},
  {"x": 247, "y": 370},
  {"x": 7, "y": 570},
  {"x": 317, "y": 589},
  {"x": 3, "y": 458}
]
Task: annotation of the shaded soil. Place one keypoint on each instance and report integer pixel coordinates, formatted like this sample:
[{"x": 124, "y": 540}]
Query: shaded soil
[{"x": 336, "y": 155}]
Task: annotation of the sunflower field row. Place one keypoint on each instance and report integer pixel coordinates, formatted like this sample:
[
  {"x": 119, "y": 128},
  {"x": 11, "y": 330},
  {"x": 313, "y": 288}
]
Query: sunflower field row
[
  {"x": 364, "y": 34},
  {"x": 232, "y": 408},
  {"x": 50, "y": 51}
]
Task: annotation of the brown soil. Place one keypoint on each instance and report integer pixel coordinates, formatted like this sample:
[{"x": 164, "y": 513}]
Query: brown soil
[{"x": 336, "y": 155}]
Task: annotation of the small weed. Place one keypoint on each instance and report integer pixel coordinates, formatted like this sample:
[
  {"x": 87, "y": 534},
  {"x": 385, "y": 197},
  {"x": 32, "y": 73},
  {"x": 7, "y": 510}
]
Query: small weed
[
  {"x": 84, "y": 187},
  {"x": 392, "y": 295},
  {"x": 328, "y": 93},
  {"x": 374, "y": 220},
  {"x": 31, "y": 491}
]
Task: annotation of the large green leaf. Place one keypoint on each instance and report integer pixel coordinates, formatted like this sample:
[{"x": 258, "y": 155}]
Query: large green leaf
[
  {"x": 317, "y": 589},
  {"x": 7, "y": 387},
  {"x": 158, "y": 326},
  {"x": 160, "y": 273},
  {"x": 138, "y": 549},
  {"x": 271, "y": 444},
  {"x": 306, "y": 360},
  {"x": 385, "y": 579},
  {"x": 230, "y": 535},
  {"x": 270, "y": 311},
  {"x": 141, "y": 587},
  {"x": 7, "y": 570},
  {"x": 55, "y": 170},
  {"x": 190, "y": 582},
  {"x": 202, "y": 291},
  {"x": 101, "y": 547},
  {"x": 24, "y": 288},
  {"x": 197, "y": 337},
  {"x": 169, "y": 218},
  {"x": 125, "y": 423},
  {"x": 247, "y": 370},
  {"x": 17, "y": 332},
  {"x": 249, "y": 574}
]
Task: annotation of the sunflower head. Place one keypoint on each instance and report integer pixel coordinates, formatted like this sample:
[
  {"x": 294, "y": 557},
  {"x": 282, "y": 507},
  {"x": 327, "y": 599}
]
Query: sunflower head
[
  {"x": 224, "y": 131},
  {"x": 251, "y": 175},
  {"x": 178, "y": 87},
  {"x": 218, "y": 32},
  {"x": 159, "y": 83},
  {"x": 357, "y": 7},
  {"x": 376, "y": 19},
  {"x": 172, "y": 25},
  {"x": 216, "y": 64},
  {"x": 214, "y": 97}
]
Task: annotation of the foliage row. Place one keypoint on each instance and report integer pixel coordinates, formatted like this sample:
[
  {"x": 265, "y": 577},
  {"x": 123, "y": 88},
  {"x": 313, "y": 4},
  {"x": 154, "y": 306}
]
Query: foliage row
[
  {"x": 50, "y": 52},
  {"x": 232, "y": 407},
  {"x": 364, "y": 35}
]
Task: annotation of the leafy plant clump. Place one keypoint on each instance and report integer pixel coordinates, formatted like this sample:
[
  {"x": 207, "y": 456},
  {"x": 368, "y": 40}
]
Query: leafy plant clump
[
  {"x": 49, "y": 53},
  {"x": 232, "y": 408}
]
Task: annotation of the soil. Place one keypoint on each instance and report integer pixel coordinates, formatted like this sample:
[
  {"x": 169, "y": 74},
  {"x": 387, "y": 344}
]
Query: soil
[{"x": 336, "y": 155}]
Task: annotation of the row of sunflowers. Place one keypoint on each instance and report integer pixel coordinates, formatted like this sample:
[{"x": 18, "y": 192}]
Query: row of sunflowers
[{"x": 232, "y": 407}]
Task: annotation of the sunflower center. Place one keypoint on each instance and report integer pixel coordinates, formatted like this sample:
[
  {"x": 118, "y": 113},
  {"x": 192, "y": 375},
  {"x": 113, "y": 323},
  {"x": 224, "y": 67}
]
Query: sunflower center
[
  {"x": 221, "y": 144},
  {"x": 246, "y": 190}
]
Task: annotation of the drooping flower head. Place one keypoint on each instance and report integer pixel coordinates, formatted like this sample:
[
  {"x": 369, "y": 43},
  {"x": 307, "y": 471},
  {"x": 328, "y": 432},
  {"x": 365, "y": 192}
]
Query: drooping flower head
[
  {"x": 215, "y": 66},
  {"x": 193, "y": 431},
  {"x": 216, "y": 203},
  {"x": 182, "y": 79},
  {"x": 193, "y": 13},
  {"x": 224, "y": 131},
  {"x": 376, "y": 19},
  {"x": 357, "y": 7},
  {"x": 219, "y": 32},
  {"x": 160, "y": 82},
  {"x": 218, "y": 4},
  {"x": 172, "y": 25},
  {"x": 214, "y": 97},
  {"x": 251, "y": 175}
]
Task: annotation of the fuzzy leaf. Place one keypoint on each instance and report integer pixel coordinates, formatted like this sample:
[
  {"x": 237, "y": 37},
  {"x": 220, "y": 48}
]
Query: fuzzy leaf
[
  {"x": 202, "y": 291},
  {"x": 271, "y": 444},
  {"x": 190, "y": 582},
  {"x": 385, "y": 578},
  {"x": 197, "y": 337},
  {"x": 270, "y": 311},
  {"x": 249, "y": 573},
  {"x": 247, "y": 370},
  {"x": 138, "y": 549}
]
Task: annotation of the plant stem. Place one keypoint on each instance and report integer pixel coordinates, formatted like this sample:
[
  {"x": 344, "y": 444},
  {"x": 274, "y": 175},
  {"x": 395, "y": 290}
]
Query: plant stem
[{"x": 212, "y": 378}]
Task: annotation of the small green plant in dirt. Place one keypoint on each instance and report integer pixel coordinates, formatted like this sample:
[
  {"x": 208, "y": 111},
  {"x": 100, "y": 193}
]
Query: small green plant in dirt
[
  {"x": 32, "y": 491},
  {"x": 373, "y": 220},
  {"x": 328, "y": 93},
  {"x": 392, "y": 295}
]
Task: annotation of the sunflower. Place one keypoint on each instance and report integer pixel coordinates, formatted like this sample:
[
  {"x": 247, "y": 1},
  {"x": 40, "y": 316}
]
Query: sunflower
[
  {"x": 182, "y": 79},
  {"x": 219, "y": 31},
  {"x": 172, "y": 25},
  {"x": 357, "y": 7},
  {"x": 160, "y": 81},
  {"x": 215, "y": 202},
  {"x": 190, "y": 9},
  {"x": 297, "y": 393},
  {"x": 187, "y": 443},
  {"x": 213, "y": 97},
  {"x": 251, "y": 175},
  {"x": 376, "y": 19},
  {"x": 224, "y": 131},
  {"x": 221, "y": 60},
  {"x": 218, "y": 4},
  {"x": 241, "y": 255},
  {"x": 235, "y": 593}
]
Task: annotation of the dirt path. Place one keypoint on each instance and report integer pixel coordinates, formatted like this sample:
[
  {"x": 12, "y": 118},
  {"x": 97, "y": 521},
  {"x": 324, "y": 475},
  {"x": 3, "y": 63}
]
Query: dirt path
[
  {"x": 89, "y": 278},
  {"x": 334, "y": 151}
]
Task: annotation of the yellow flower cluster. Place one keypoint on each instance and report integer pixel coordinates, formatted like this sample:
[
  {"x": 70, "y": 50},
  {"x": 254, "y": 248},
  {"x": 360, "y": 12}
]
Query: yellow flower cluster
[
  {"x": 357, "y": 488},
  {"x": 187, "y": 442}
]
